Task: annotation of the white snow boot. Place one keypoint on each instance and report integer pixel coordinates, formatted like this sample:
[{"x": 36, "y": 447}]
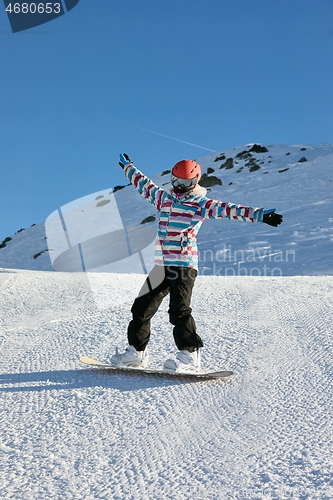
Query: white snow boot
[
  {"x": 131, "y": 358},
  {"x": 185, "y": 362}
]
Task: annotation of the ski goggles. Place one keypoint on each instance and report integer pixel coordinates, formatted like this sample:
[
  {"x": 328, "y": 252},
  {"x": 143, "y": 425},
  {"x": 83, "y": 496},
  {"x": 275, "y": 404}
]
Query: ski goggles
[{"x": 184, "y": 183}]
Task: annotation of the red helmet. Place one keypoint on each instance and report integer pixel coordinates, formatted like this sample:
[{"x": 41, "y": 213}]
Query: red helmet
[{"x": 186, "y": 174}]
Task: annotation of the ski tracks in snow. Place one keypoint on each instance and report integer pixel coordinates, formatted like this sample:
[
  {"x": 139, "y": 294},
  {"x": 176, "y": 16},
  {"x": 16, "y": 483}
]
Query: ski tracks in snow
[{"x": 76, "y": 433}]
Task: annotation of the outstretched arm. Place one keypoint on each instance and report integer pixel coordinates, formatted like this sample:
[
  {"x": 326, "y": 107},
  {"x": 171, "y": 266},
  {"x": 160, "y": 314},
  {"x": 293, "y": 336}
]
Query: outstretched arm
[
  {"x": 213, "y": 209},
  {"x": 147, "y": 188}
]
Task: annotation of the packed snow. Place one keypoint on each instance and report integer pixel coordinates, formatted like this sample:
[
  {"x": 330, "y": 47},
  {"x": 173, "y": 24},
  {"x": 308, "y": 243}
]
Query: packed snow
[{"x": 73, "y": 432}]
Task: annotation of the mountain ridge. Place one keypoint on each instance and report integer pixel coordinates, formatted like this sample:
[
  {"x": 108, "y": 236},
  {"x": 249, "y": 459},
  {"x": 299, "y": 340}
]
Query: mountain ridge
[{"x": 295, "y": 179}]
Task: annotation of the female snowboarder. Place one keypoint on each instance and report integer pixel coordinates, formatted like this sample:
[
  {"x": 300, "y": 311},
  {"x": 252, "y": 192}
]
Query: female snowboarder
[{"x": 181, "y": 213}]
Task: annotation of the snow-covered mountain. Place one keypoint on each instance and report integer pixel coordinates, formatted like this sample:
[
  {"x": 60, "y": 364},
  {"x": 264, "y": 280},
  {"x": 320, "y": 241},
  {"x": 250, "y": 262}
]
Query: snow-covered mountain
[{"x": 297, "y": 180}]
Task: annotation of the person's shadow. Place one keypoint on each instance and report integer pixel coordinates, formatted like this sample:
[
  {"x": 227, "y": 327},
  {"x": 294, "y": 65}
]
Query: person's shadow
[{"x": 82, "y": 378}]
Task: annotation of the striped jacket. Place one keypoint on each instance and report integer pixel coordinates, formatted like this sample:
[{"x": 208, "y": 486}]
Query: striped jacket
[{"x": 181, "y": 216}]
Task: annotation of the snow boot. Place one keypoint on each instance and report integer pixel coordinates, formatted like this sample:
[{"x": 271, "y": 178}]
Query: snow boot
[
  {"x": 185, "y": 362},
  {"x": 131, "y": 358}
]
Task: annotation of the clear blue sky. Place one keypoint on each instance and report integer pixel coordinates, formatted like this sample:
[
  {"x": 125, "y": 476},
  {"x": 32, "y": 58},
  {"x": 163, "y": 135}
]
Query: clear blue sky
[{"x": 216, "y": 73}]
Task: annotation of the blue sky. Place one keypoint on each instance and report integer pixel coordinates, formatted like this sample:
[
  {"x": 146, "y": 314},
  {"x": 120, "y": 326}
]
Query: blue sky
[{"x": 79, "y": 90}]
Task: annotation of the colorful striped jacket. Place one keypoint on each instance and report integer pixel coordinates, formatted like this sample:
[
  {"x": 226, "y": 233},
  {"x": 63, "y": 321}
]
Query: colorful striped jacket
[{"x": 181, "y": 216}]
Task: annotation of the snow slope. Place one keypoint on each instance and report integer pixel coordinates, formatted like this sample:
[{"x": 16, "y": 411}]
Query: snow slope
[
  {"x": 301, "y": 190},
  {"x": 68, "y": 432},
  {"x": 263, "y": 306}
]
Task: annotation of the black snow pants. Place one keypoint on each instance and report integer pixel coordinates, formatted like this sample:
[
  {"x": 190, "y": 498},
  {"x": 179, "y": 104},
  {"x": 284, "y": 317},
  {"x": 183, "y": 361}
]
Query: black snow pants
[{"x": 162, "y": 280}]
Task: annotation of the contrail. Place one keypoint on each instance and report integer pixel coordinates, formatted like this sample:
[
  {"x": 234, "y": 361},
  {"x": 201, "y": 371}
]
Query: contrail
[{"x": 161, "y": 135}]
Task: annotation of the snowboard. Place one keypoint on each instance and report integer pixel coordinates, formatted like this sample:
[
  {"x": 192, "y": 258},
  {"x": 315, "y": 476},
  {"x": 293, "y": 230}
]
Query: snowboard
[{"x": 162, "y": 373}]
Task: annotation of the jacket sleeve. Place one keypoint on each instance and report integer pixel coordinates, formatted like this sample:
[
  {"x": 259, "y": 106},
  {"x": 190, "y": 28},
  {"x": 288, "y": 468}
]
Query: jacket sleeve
[
  {"x": 147, "y": 188},
  {"x": 213, "y": 209}
]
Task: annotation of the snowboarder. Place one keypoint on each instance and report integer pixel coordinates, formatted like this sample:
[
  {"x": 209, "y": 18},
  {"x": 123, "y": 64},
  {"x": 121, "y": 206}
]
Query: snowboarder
[{"x": 182, "y": 210}]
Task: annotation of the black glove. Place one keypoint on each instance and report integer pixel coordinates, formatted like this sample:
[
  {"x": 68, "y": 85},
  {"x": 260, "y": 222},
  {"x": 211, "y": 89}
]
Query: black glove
[
  {"x": 272, "y": 219},
  {"x": 124, "y": 159}
]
